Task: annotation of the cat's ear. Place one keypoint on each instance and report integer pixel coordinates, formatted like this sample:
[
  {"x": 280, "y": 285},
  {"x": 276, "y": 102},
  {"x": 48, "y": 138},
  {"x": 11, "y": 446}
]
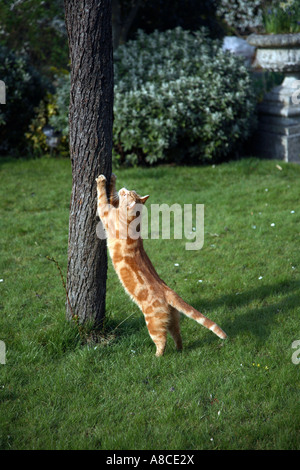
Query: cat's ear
[{"x": 144, "y": 199}]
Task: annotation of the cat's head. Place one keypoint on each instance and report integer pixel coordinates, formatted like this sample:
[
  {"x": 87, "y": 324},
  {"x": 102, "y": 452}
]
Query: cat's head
[{"x": 131, "y": 201}]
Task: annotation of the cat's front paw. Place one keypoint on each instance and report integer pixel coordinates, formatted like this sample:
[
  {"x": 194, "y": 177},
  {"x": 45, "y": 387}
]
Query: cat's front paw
[{"x": 100, "y": 179}]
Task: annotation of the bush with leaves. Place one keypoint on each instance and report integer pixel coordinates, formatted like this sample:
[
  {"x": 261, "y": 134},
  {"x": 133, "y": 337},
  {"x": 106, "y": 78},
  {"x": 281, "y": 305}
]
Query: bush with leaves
[
  {"x": 36, "y": 138},
  {"x": 24, "y": 90},
  {"x": 241, "y": 16},
  {"x": 35, "y": 28},
  {"x": 178, "y": 97}
]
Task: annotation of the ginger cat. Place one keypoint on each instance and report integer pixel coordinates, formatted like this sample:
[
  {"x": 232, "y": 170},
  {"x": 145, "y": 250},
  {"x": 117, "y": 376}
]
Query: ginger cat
[{"x": 159, "y": 304}]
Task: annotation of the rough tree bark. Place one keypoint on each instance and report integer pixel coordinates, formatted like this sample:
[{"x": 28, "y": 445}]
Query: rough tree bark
[{"x": 89, "y": 30}]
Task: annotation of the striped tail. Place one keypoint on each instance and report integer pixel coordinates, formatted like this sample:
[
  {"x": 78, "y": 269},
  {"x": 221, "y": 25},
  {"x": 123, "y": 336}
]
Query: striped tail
[{"x": 177, "y": 302}]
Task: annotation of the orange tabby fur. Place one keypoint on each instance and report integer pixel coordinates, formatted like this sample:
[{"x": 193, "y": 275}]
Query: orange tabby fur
[{"x": 159, "y": 304}]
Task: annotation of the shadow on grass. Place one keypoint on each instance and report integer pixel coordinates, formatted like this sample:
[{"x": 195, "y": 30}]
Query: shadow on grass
[
  {"x": 126, "y": 326},
  {"x": 273, "y": 299},
  {"x": 255, "y": 321}
]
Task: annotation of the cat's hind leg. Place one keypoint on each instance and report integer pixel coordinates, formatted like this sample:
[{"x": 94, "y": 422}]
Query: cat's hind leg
[
  {"x": 157, "y": 327},
  {"x": 174, "y": 328}
]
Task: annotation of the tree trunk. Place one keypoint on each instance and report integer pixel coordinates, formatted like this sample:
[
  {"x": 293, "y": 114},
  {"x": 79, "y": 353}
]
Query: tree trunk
[{"x": 88, "y": 25}]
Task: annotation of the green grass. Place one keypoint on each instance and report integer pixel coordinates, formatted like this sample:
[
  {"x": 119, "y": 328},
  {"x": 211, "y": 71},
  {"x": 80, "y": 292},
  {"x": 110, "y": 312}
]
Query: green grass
[{"x": 243, "y": 393}]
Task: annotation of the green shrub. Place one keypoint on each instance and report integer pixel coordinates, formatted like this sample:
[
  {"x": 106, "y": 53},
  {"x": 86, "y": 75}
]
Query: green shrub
[
  {"x": 24, "y": 90},
  {"x": 60, "y": 118},
  {"x": 178, "y": 97},
  {"x": 52, "y": 110},
  {"x": 241, "y": 17}
]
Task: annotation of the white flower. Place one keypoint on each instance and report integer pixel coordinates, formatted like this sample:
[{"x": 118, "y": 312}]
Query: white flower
[
  {"x": 292, "y": 212},
  {"x": 272, "y": 225},
  {"x": 176, "y": 264},
  {"x": 200, "y": 280},
  {"x": 260, "y": 277}
]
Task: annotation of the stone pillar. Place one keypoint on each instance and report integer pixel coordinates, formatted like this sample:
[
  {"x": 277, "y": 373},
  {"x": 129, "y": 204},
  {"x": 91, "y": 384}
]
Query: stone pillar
[{"x": 278, "y": 134}]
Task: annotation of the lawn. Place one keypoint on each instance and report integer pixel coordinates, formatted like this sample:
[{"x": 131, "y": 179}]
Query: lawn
[{"x": 241, "y": 393}]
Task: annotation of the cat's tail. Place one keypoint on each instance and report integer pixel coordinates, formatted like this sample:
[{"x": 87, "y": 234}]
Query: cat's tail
[{"x": 177, "y": 302}]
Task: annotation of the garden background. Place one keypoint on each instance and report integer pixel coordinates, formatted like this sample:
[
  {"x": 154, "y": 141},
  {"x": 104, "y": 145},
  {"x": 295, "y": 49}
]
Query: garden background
[{"x": 185, "y": 121}]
